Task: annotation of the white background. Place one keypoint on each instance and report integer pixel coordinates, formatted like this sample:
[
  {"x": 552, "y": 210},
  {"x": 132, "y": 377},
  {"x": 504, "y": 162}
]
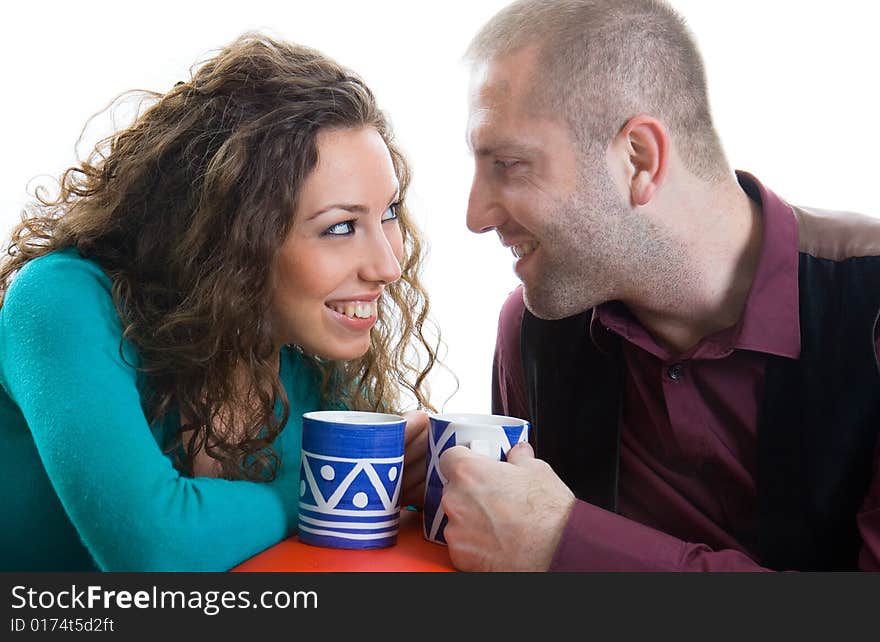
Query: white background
[{"x": 793, "y": 87}]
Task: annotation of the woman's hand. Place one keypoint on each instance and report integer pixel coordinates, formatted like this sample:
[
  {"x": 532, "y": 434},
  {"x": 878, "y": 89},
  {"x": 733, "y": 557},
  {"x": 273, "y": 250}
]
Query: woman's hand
[{"x": 412, "y": 491}]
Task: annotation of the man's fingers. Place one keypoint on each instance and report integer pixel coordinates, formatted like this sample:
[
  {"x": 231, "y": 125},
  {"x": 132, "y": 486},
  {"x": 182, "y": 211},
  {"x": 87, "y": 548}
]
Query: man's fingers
[
  {"x": 521, "y": 454},
  {"x": 451, "y": 456}
]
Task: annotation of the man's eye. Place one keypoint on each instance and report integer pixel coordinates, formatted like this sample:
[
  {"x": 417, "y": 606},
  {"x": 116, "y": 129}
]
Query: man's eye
[
  {"x": 391, "y": 213},
  {"x": 506, "y": 164},
  {"x": 340, "y": 229}
]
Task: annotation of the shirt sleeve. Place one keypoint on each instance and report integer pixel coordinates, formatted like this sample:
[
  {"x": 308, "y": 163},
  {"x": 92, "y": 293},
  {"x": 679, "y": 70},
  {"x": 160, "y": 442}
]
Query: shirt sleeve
[
  {"x": 61, "y": 364},
  {"x": 508, "y": 391},
  {"x": 598, "y": 540},
  {"x": 868, "y": 518},
  {"x": 869, "y": 521}
]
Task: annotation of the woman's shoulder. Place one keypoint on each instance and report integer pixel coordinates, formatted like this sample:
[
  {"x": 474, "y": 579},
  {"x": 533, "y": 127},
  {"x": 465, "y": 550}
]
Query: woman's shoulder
[
  {"x": 58, "y": 311},
  {"x": 61, "y": 268},
  {"x": 60, "y": 289},
  {"x": 60, "y": 276}
]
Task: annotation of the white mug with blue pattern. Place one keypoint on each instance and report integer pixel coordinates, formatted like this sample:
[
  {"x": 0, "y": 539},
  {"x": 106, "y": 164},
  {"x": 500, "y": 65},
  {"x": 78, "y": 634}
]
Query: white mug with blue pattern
[
  {"x": 490, "y": 435},
  {"x": 350, "y": 476}
]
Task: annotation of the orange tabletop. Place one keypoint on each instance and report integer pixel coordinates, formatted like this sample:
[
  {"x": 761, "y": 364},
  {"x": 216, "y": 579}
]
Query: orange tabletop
[{"x": 411, "y": 553}]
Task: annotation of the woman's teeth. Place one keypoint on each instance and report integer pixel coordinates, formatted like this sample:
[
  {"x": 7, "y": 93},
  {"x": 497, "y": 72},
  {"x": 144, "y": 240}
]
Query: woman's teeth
[
  {"x": 352, "y": 309},
  {"x": 522, "y": 249}
]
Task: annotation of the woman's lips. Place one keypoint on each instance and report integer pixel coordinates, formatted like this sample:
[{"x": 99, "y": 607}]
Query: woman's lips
[
  {"x": 357, "y": 316},
  {"x": 355, "y": 309}
]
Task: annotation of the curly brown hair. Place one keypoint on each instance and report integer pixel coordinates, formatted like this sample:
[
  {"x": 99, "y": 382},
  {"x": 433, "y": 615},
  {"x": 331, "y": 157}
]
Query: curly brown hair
[{"x": 186, "y": 210}]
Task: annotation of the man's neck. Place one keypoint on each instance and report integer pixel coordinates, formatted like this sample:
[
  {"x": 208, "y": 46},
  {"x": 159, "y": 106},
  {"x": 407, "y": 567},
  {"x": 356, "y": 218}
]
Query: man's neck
[{"x": 721, "y": 236}]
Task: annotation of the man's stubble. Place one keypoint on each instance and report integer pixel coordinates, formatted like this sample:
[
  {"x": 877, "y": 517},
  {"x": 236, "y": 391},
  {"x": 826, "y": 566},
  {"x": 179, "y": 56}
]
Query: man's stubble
[{"x": 596, "y": 248}]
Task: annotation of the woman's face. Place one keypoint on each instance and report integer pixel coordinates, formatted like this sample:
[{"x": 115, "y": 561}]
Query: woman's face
[{"x": 343, "y": 248}]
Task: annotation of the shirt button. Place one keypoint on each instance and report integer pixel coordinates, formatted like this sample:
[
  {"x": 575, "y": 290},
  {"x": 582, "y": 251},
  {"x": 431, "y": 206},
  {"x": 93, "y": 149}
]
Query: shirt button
[{"x": 675, "y": 371}]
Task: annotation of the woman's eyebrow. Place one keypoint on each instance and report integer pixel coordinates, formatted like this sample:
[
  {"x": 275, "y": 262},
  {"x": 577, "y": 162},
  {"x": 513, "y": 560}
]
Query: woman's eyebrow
[{"x": 354, "y": 208}]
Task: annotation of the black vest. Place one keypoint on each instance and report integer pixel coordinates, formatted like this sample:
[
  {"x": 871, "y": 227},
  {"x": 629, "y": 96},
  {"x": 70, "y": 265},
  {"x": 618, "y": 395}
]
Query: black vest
[{"x": 817, "y": 425}]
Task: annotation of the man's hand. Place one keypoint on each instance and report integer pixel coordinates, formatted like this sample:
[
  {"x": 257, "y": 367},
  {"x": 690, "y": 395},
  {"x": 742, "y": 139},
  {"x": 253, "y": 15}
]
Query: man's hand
[
  {"x": 503, "y": 516},
  {"x": 412, "y": 490}
]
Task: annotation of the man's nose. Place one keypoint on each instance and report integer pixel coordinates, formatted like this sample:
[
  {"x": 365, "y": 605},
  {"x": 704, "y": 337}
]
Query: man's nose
[{"x": 484, "y": 212}]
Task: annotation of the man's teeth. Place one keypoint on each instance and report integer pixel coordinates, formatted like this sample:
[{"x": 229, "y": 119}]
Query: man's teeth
[
  {"x": 362, "y": 310},
  {"x": 522, "y": 249}
]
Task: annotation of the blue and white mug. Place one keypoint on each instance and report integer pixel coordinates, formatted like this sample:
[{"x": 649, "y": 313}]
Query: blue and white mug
[
  {"x": 350, "y": 476},
  {"x": 491, "y": 435}
]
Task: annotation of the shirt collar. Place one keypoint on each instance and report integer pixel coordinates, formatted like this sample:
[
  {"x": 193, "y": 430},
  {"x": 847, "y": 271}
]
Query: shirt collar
[{"x": 770, "y": 322}]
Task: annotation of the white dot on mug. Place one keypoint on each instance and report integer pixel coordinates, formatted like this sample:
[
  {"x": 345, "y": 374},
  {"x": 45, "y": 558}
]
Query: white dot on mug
[
  {"x": 302, "y": 488},
  {"x": 328, "y": 473},
  {"x": 359, "y": 500},
  {"x": 392, "y": 473}
]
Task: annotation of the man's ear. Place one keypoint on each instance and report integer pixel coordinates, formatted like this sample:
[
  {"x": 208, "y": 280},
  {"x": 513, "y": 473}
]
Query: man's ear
[{"x": 643, "y": 147}]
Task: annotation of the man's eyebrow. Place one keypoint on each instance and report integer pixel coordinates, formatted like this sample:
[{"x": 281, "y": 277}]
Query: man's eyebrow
[
  {"x": 354, "y": 208},
  {"x": 491, "y": 146},
  {"x": 505, "y": 147}
]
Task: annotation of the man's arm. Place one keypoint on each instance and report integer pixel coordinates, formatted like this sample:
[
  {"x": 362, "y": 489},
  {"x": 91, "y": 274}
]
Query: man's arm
[
  {"x": 508, "y": 391},
  {"x": 519, "y": 516},
  {"x": 868, "y": 518},
  {"x": 583, "y": 537}
]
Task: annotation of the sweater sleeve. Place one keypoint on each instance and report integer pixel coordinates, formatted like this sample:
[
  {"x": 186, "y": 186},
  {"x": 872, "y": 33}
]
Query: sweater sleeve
[{"x": 60, "y": 362}]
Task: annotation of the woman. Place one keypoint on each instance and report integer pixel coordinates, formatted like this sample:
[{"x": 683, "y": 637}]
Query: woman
[{"x": 240, "y": 255}]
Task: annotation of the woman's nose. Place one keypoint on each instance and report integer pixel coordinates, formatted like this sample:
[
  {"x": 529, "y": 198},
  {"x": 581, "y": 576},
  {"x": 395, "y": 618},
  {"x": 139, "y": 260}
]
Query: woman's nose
[{"x": 381, "y": 263}]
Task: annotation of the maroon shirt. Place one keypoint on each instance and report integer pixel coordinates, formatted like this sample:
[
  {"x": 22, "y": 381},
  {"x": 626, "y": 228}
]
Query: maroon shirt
[{"x": 687, "y": 493}]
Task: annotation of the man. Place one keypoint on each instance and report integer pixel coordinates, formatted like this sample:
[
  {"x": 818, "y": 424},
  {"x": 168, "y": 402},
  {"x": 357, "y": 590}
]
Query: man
[{"x": 697, "y": 357}]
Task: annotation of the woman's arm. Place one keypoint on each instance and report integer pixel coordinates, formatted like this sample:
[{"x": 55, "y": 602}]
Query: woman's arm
[{"x": 59, "y": 341}]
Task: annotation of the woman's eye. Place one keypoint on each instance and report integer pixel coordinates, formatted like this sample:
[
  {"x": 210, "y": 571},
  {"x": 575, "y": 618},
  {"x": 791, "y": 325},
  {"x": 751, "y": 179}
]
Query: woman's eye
[
  {"x": 341, "y": 229},
  {"x": 391, "y": 213}
]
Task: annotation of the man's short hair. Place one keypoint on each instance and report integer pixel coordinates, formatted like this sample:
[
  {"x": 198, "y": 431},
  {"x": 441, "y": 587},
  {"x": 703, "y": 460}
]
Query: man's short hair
[{"x": 601, "y": 62}]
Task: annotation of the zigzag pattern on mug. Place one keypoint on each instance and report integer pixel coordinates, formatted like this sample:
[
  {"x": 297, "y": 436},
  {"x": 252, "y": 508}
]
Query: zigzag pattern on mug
[{"x": 329, "y": 468}]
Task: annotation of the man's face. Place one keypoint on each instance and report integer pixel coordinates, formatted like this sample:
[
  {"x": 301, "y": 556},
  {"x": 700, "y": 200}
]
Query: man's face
[{"x": 556, "y": 207}]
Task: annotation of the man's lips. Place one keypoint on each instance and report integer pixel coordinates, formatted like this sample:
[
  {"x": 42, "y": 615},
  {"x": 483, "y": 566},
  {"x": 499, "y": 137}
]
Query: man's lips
[{"x": 524, "y": 249}]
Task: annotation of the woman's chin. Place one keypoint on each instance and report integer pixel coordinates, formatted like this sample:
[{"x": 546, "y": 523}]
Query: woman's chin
[{"x": 339, "y": 352}]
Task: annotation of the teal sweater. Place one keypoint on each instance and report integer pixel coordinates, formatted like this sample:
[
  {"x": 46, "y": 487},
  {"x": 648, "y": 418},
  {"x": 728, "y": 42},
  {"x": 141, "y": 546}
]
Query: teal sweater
[{"x": 86, "y": 484}]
